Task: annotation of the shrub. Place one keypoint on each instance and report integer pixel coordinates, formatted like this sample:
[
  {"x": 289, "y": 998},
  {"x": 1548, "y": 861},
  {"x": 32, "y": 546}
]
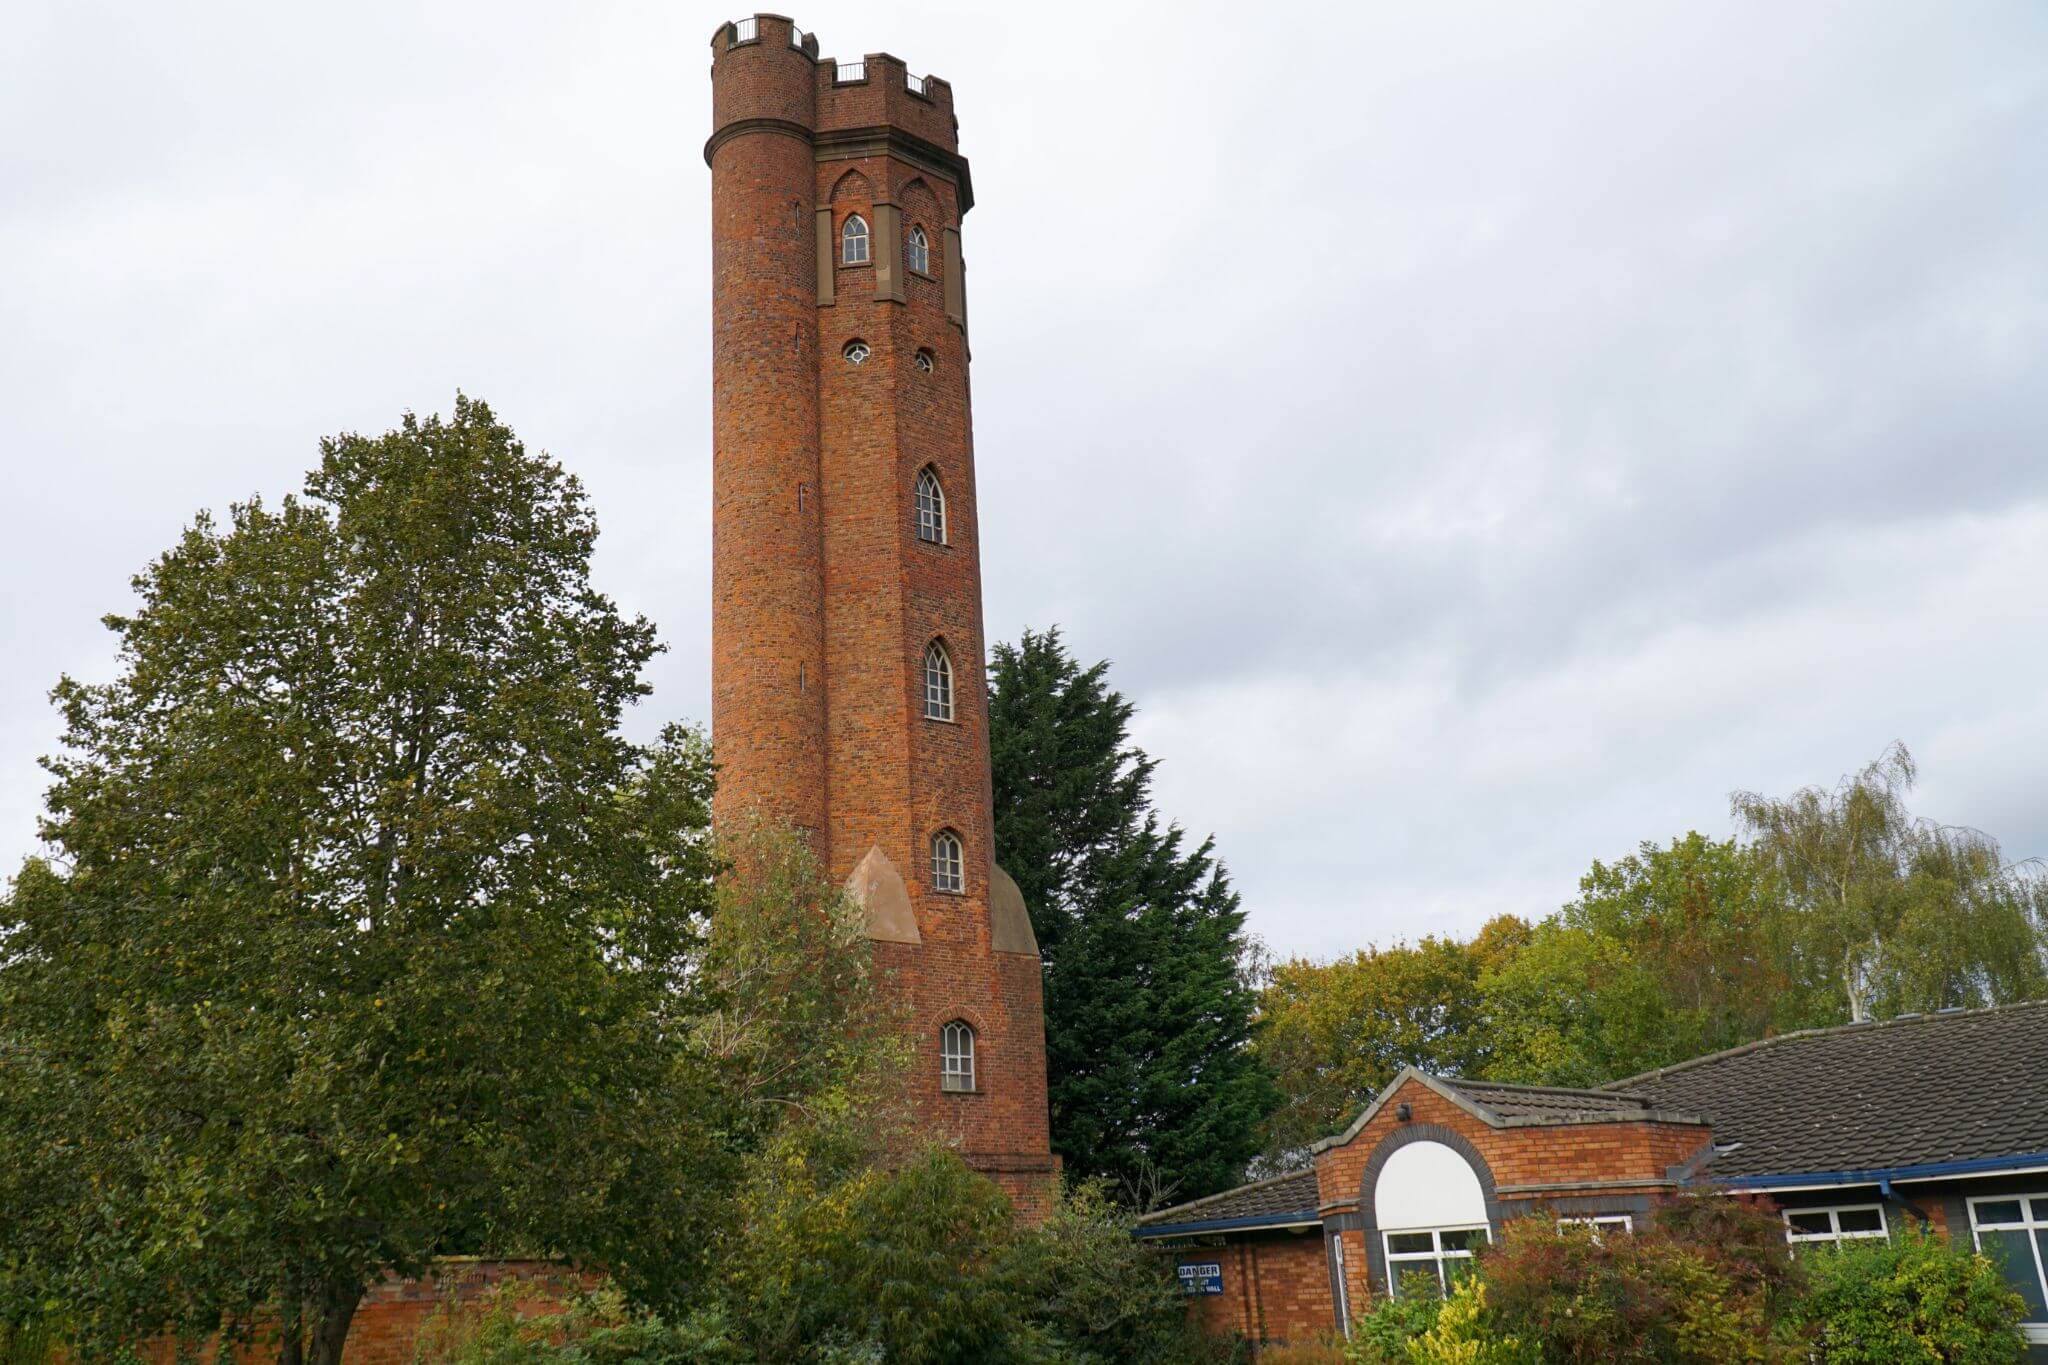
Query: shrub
[
  {"x": 1304, "y": 1353},
  {"x": 1914, "y": 1298},
  {"x": 592, "y": 1329},
  {"x": 1647, "y": 1297},
  {"x": 1093, "y": 1293},
  {"x": 1383, "y": 1335}
]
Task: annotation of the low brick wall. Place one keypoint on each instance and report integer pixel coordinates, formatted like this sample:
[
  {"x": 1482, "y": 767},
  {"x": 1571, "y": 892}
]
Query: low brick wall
[{"x": 387, "y": 1324}]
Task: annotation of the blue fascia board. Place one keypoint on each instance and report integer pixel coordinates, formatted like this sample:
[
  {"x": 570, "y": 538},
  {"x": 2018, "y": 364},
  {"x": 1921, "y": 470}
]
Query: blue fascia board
[
  {"x": 1299, "y": 1218},
  {"x": 1881, "y": 1175}
]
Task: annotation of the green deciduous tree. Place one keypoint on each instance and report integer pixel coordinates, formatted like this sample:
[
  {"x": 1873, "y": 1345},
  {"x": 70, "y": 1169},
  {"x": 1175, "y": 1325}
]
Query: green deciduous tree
[
  {"x": 1148, "y": 1010},
  {"x": 1913, "y": 915},
  {"x": 1666, "y": 954},
  {"x": 362, "y": 936},
  {"x": 1336, "y": 1033}
]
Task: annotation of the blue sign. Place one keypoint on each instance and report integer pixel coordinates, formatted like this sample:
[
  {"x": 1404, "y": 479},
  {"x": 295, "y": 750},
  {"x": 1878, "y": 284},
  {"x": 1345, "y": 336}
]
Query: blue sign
[{"x": 1201, "y": 1277}]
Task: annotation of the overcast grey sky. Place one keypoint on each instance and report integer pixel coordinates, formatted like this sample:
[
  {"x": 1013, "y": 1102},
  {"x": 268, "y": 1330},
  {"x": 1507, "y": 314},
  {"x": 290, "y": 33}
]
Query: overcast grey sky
[{"x": 1482, "y": 435}]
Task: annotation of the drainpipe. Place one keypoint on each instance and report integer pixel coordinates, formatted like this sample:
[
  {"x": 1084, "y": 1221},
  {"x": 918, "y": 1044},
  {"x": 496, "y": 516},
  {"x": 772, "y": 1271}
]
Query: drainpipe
[{"x": 1892, "y": 1196}]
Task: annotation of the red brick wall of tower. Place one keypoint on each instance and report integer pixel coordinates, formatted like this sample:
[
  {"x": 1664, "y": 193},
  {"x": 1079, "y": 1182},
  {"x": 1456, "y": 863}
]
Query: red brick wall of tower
[{"x": 825, "y": 597}]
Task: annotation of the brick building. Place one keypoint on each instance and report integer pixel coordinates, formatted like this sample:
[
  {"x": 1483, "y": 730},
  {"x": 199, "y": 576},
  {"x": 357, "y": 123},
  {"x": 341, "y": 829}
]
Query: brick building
[
  {"x": 848, "y": 684},
  {"x": 1940, "y": 1119}
]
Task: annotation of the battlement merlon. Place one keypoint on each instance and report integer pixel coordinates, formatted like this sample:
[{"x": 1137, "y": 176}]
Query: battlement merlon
[{"x": 766, "y": 75}]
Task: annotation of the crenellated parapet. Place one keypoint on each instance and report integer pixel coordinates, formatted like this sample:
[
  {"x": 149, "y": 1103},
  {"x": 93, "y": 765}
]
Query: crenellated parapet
[{"x": 767, "y": 76}]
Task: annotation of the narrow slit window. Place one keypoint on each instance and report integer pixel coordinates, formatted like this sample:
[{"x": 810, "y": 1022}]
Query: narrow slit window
[
  {"x": 931, "y": 507},
  {"x": 956, "y": 1057},
  {"x": 948, "y": 865},
  {"x": 919, "y": 249},
  {"x": 853, "y": 241},
  {"x": 938, "y": 682}
]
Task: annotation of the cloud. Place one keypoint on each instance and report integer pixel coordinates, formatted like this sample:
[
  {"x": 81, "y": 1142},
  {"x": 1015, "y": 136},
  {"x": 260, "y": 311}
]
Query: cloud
[{"x": 1481, "y": 435}]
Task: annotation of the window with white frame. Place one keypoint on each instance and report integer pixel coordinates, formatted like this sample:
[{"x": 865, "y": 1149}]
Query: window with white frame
[
  {"x": 853, "y": 241},
  {"x": 938, "y": 682},
  {"x": 1601, "y": 1223},
  {"x": 956, "y": 1056},
  {"x": 1433, "y": 1260},
  {"x": 931, "y": 507},
  {"x": 1845, "y": 1223},
  {"x": 1431, "y": 1213},
  {"x": 948, "y": 866},
  {"x": 2013, "y": 1231},
  {"x": 918, "y": 248}
]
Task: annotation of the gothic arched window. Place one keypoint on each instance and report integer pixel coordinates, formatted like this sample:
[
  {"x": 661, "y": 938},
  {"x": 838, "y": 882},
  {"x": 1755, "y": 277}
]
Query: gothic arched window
[
  {"x": 949, "y": 872},
  {"x": 853, "y": 241},
  {"x": 956, "y": 1056},
  {"x": 931, "y": 507},
  {"x": 938, "y": 682},
  {"x": 919, "y": 249}
]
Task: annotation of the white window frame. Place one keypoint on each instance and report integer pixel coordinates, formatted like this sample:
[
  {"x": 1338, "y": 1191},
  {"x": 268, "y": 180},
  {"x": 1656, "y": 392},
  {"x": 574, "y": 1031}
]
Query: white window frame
[
  {"x": 938, "y": 682},
  {"x": 2030, "y": 1223},
  {"x": 1597, "y": 1221},
  {"x": 917, "y": 250},
  {"x": 956, "y": 1058},
  {"x": 1436, "y": 1259},
  {"x": 1834, "y": 1236},
  {"x": 931, "y": 507},
  {"x": 949, "y": 864},
  {"x": 854, "y": 231}
]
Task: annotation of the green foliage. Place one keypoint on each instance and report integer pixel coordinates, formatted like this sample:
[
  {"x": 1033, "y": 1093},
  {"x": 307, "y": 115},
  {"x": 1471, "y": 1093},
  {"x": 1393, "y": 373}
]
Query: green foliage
[
  {"x": 1667, "y": 954},
  {"x": 599, "y": 1328},
  {"x": 1098, "y": 1296},
  {"x": 1913, "y": 1298},
  {"x": 1386, "y": 1334},
  {"x": 366, "y": 925},
  {"x": 30, "y": 1343},
  {"x": 1839, "y": 903},
  {"x": 1911, "y": 915},
  {"x": 1334, "y": 1034},
  {"x": 1627, "y": 1298},
  {"x": 838, "y": 1256},
  {"x": 1708, "y": 1280},
  {"x": 1148, "y": 1012}
]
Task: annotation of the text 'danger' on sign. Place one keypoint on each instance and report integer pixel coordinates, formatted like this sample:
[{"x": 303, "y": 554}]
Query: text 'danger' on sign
[{"x": 1201, "y": 1277}]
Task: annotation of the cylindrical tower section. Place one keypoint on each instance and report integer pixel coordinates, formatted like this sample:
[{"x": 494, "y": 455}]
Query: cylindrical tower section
[{"x": 768, "y": 685}]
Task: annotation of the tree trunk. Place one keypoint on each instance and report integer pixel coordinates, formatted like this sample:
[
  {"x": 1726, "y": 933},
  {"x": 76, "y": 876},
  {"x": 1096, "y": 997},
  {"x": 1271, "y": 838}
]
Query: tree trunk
[
  {"x": 291, "y": 1327},
  {"x": 337, "y": 1309}
]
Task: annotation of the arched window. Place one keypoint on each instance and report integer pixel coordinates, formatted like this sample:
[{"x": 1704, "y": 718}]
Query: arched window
[
  {"x": 948, "y": 866},
  {"x": 853, "y": 241},
  {"x": 956, "y": 1056},
  {"x": 924, "y": 362},
  {"x": 931, "y": 507},
  {"x": 1431, "y": 1211},
  {"x": 938, "y": 682},
  {"x": 919, "y": 249},
  {"x": 856, "y": 352}
]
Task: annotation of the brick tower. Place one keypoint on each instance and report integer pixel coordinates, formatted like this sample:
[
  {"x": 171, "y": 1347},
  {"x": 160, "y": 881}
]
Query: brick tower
[{"x": 848, "y": 685}]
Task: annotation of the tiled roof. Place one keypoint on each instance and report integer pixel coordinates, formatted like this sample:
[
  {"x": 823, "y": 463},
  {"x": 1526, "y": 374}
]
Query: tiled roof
[
  {"x": 1919, "y": 1090},
  {"x": 1550, "y": 1104},
  {"x": 1282, "y": 1199}
]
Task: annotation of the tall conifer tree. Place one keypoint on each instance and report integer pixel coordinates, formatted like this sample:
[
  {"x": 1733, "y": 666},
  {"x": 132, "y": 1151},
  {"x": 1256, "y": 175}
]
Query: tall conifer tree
[{"x": 1148, "y": 1014}]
